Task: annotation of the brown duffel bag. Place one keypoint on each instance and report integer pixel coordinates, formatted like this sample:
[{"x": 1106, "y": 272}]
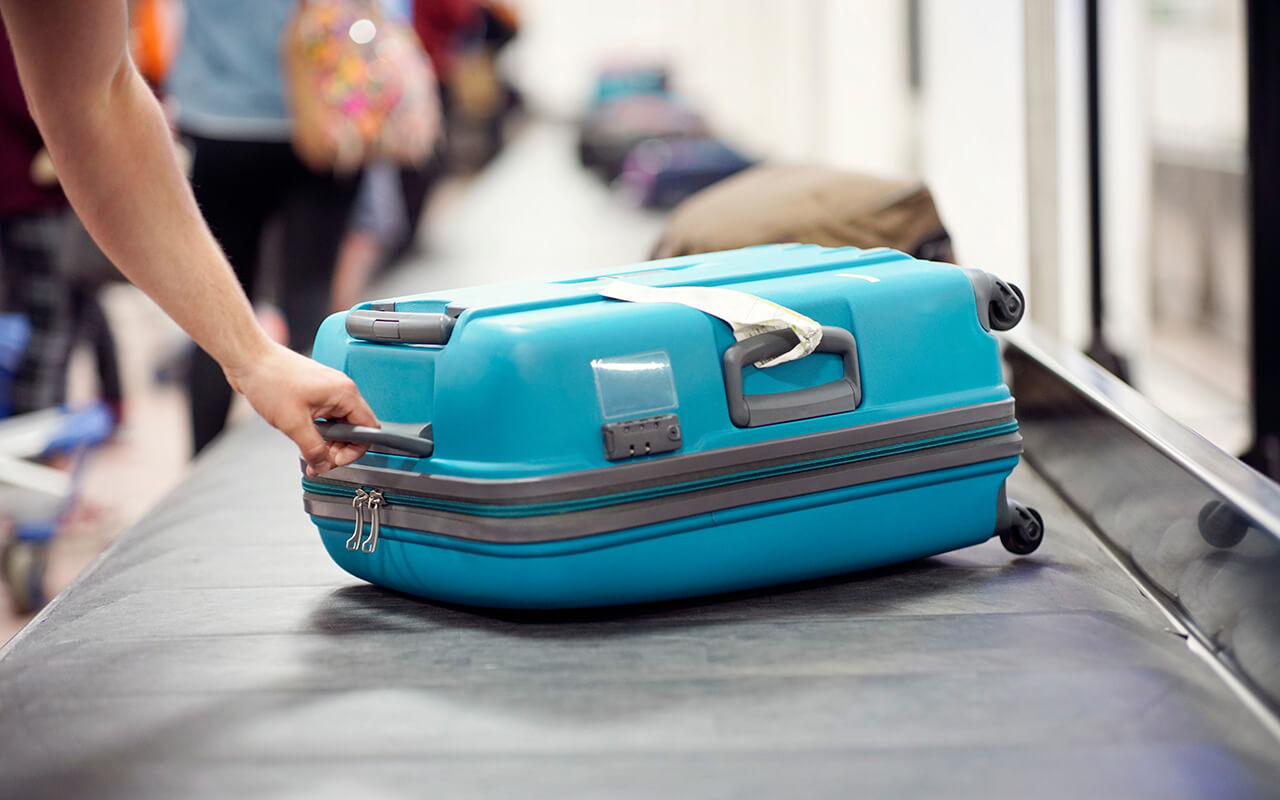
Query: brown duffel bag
[{"x": 813, "y": 205}]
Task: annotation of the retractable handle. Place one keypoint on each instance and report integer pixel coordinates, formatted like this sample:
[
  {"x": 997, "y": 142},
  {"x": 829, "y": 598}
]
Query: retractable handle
[
  {"x": 749, "y": 411},
  {"x": 399, "y": 439}
]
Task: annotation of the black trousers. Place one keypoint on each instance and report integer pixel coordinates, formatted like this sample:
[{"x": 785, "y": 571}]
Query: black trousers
[{"x": 241, "y": 186}]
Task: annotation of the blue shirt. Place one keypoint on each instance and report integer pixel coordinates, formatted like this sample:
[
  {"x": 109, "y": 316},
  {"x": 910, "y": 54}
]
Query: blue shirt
[{"x": 228, "y": 79}]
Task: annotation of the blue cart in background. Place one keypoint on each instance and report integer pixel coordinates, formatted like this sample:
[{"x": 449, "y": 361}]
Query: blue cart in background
[{"x": 35, "y": 497}]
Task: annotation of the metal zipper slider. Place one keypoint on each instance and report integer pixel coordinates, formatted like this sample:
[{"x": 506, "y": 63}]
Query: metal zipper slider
[
  {"x": 358, "y": 503},
  {"x": 373, "y": 502}
]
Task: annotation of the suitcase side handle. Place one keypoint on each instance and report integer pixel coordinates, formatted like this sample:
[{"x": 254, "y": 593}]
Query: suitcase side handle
[
  {"x": 408, "y": 327},
  {"x": 393, "y": 438},
  {"x": 749, "y": 411}
]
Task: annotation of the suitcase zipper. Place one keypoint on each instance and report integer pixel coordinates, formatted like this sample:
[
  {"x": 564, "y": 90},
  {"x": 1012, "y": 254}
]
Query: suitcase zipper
[
  {"x": 371, "y": 500},
  {"x": 357, "y": 503}
]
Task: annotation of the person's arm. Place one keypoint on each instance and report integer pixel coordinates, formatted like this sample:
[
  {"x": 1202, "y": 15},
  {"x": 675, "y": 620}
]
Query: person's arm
[{"x": 113, "y": 154}]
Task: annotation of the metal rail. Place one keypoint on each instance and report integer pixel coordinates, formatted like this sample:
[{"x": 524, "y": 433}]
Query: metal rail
[{"x": 1200, "y": 528}]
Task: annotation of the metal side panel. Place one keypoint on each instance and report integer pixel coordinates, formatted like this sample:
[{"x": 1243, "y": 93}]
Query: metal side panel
[{"x": 1201, "y": 529}]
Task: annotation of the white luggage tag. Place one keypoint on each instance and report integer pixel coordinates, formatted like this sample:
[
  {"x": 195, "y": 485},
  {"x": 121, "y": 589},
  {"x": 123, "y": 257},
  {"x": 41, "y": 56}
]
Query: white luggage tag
[{"x": 746, "y": 314}]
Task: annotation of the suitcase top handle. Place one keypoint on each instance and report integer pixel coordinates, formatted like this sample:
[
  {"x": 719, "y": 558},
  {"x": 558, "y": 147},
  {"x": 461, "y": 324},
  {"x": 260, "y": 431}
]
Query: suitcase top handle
[
  {"x": 749, "y": 411},
  {"x": 408, "y": 327}
]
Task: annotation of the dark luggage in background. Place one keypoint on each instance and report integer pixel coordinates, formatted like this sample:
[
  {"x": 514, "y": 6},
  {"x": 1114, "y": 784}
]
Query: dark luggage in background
[
  {"x": 609, "y": 132},
  {"x": 546, "y": 447},
  {"x": 660, "y": 173},
  {"x": 809, "y": 204}
]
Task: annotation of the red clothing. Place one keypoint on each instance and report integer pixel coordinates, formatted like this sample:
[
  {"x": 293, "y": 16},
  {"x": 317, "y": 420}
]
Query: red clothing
[
  {"x": 19, "y": 143},
  {"x": 438, "y": 23}
]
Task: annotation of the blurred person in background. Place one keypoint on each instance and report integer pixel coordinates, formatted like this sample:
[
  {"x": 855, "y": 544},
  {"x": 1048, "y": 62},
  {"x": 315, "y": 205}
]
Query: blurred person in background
[
  {"x": 111, "y": 146},
  {"x": 388, "y": 211},
  {"x": 462, "y": 39},
  {"x": 389, "y": 204},
  {"x": 479, "y": 101},
  {"x": 440, "y": 25},
  {"x": 378, "y": 223},
  {"x": 52, "y": 273},
  {"x": 229, "y": 93}
]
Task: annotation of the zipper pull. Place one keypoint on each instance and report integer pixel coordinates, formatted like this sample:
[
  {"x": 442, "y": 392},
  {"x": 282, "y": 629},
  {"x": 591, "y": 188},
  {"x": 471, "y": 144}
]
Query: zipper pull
[
  {"x": 373, "y": 502},
  {"x": 358, "y": 503}
]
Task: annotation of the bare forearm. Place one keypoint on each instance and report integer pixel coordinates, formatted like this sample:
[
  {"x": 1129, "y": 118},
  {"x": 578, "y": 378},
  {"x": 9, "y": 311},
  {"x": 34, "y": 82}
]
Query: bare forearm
[
  {"x": 118, "y": 167},
  {"x": 111, "y": 146}
]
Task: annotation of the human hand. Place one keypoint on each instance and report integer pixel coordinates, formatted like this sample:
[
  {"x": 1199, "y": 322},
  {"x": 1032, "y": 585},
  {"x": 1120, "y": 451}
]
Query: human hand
[{"x": 291, "y": 391}]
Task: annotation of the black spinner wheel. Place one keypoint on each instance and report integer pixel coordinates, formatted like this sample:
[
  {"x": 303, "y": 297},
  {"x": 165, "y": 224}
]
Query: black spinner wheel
[
  {"x": 1006, "y": 311},
  {"x": 1026, "y": 532}
]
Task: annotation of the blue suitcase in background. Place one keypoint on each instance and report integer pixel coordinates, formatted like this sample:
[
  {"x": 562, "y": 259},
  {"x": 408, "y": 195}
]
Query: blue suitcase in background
[
  {"x": 662, "y": 173},
  {"x": 546, "y": 447}
]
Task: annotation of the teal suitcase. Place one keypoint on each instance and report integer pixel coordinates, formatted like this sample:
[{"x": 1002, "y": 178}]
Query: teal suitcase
[{"x": 544, "y": 446}]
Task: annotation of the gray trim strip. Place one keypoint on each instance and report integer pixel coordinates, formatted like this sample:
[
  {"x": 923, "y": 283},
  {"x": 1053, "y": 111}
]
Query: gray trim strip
[
  {"x": 666, "y": 470},
  {"x": 577, "y": 524}
]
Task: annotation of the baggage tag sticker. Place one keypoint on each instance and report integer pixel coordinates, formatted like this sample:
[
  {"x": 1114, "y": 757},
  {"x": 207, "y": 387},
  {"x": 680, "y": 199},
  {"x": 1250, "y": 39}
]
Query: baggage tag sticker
[{"x": 746, "y": 314}]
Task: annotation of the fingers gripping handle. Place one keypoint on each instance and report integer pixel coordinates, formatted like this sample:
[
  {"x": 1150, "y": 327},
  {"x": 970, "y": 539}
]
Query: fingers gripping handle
[
  {"x": 400, "y": 439},
  {"x": 749, "y": 411}
]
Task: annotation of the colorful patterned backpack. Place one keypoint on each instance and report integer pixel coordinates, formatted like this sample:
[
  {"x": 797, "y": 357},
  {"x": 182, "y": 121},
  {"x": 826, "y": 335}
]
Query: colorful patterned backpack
[{"x": 360, "y": 86}]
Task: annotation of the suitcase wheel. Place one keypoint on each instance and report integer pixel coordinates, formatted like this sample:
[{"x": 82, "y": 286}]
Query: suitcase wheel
[
  {"x": 23, "y": 564},
  {"x": 1026, "y": 532},
  {"x": 1006, "y": 309}
]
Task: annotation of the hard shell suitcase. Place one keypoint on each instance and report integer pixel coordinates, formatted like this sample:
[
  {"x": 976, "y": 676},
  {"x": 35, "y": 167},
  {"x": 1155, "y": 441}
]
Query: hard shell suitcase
[
  {"x": 546, "y": 447},
  {"x": 660, "y": 173}
]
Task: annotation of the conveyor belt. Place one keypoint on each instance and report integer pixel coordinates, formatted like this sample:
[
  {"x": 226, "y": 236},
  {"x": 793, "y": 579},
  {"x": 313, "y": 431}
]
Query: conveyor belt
[{"x": 215, "y": 651}]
